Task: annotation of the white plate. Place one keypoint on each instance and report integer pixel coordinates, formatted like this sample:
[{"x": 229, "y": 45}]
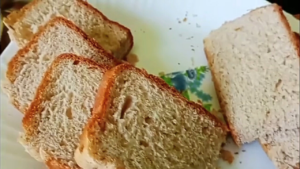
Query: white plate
[{"x": 164, "y": 42}]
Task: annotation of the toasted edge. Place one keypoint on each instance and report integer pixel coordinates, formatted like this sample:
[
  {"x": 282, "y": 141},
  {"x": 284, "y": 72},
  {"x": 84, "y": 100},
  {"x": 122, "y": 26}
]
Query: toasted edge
[
  {"x": 30, "y": 122},
  {"x": 56, "y": 164},
  {"x": 16, "y": 16},
  {"x": 297, "y": 39},
  {"x": 293, "y": 37},
  {"x": 210, "y": 59}
]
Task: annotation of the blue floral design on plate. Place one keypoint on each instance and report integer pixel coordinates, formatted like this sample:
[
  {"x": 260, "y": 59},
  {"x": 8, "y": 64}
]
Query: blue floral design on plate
[{"x": 189, "y": 83}]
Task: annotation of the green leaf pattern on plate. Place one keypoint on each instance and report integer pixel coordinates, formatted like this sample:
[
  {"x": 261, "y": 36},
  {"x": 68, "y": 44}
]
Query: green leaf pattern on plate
[{"x": 189, "y": 83}]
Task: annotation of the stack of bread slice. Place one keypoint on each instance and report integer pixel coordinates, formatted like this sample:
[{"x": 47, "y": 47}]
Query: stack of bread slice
[
  {"x": 69, "y": 50},
  {"x": 255, "y": 66}
]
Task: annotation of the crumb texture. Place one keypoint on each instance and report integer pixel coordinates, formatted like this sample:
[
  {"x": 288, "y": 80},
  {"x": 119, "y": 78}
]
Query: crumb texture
[
  {"x": 146, "y": 127},
  {"x": 64, "y": 106},
  {"x": 255, "y": 66}
]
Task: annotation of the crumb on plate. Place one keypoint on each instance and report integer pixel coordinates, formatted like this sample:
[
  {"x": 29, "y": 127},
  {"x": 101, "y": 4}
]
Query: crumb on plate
[
  {"x": 227, "y": 156},
  {"x": 132, "y": 58}
]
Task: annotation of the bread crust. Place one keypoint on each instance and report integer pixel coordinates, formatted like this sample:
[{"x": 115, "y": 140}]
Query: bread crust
[
  {"x": 15, "y": 64},
  {"x": 16, "y": 16},
  {"x": 297, "y": 39},
  {"x": 56, "y": 164},
  {"x": 103, "y": 99},
  {"x": 210, "y": 59},
  {"x": 31, "y": 118},
  {"x": 292, "y": 36}
]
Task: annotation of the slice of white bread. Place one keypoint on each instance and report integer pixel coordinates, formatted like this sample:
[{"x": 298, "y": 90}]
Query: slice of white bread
[
  {"x": 139, "y": 121},
  {"x": 114, "y": 37},
  {"x": 283, "y": 148},
  {"x": 254, "y": 62},
  {"x": 63, "y": 104},
  {"x": 27, "y": 67}
]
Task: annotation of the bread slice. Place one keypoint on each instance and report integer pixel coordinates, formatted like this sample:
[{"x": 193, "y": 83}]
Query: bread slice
[
  {"x": 114, "y": 37},
  {"x": 254, "y": 61},
  {"x": 60, "y": 109},
  {"x": 283, "y": 148},
  {"x": 140, "y": 122},
  {"x": 27, "y": 67}
]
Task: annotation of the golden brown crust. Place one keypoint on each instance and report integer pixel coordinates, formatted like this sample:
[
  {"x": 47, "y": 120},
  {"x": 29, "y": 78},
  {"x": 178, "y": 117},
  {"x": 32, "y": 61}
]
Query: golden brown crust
[
  {"x": 297, "y": 16},
  {"x": 233, "y": 132},
  {"x": 297, "y": 36},
  {"x": 16, "y": 16},
  {"x": 292, "y": 36},
  {"x": 56, "y": 164},
  {"x": 15, "y": 64},
  {"x": 103, "y": 97},
  {"x": 297, "y": 42}
]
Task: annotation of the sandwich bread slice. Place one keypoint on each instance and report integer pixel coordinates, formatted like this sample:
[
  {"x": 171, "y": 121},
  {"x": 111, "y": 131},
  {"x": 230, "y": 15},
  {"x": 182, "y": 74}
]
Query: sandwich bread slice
[
  {"x": 112, "y": 36},
  {"x": 27, "y": 67},
  {"x": 140, "y": 122},
  {"x": 63, "y": 103},
  {"x": 254, "y": 62},
  {"x": 283, "y": 146}
]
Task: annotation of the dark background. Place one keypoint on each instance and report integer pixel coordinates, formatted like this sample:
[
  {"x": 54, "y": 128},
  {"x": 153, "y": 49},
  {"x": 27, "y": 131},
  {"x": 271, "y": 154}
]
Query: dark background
[{"x": 290, "y": 6}]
